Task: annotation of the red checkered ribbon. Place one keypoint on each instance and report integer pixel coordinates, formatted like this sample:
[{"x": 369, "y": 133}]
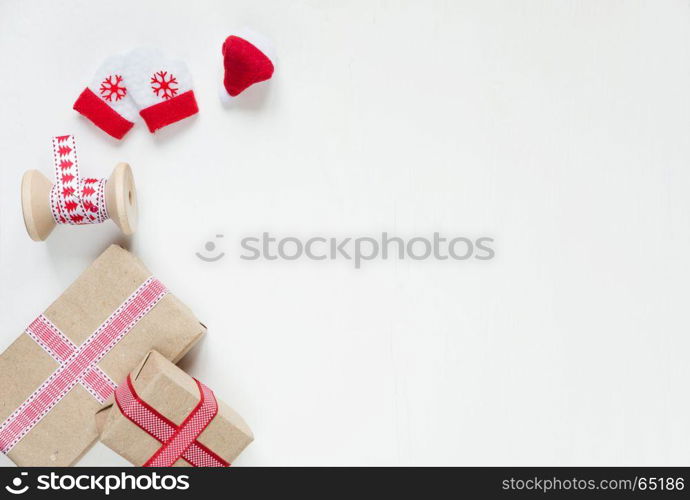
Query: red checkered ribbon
[
  {"x": 73, "y": 199},
  {"x": 179, "y": 441},
  {"x": 77, "y": 365}
]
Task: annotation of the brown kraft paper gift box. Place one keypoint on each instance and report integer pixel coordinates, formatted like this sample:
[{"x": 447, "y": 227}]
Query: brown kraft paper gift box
[
  {"x": 174, "y": 394},
  {"x": 68, "y": 429}
]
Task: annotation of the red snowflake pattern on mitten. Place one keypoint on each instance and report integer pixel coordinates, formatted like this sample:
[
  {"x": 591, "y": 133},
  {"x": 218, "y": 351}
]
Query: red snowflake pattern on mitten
[
  {"x": 162, "y": 84},
  {"x": 111, "y": 88}
]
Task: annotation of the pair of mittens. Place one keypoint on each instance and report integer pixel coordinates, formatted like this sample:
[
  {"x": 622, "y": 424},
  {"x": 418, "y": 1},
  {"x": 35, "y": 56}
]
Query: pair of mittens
[{"x": 143, "y": 82}]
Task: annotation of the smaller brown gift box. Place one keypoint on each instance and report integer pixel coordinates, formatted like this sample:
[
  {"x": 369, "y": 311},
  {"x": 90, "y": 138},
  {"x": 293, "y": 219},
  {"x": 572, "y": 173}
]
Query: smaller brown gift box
[{"x": 174, "y": 394}]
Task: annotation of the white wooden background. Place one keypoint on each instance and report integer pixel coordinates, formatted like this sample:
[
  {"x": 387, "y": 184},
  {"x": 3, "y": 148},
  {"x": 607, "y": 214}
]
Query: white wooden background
[{"x": 560, "y": 128}]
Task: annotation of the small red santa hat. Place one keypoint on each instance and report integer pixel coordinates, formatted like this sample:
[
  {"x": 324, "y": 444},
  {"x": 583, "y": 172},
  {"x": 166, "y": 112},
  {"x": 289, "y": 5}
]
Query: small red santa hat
[{"x": 247, "y": 59}]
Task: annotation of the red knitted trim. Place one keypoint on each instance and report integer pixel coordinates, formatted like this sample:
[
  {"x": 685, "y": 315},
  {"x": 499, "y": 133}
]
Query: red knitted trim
[
  {"x": 170, "y": 111},
  {"x": 102, "y": 115}
]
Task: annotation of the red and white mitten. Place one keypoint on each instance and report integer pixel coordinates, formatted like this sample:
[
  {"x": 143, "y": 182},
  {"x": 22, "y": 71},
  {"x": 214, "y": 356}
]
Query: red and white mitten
[
  {"x": 107, "y": 101},
  {"x": 160, "y": 87},
  {"x": 247, "y": 59}
]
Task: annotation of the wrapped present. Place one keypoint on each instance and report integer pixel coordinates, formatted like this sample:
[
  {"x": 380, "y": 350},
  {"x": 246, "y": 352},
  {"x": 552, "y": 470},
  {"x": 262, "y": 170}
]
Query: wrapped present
[
  {"x": 162, "y": 417},
  {"x": 68, "y": 362}
]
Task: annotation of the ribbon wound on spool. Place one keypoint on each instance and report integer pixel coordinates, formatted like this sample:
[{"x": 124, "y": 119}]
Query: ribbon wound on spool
[{"x": 73, "y": 199}]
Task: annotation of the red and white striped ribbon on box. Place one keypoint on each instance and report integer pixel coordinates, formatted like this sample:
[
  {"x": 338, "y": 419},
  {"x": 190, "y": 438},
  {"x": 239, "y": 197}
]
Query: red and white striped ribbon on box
[
  {"x": 60, "y": 348},
  {"x": 73, "y": 199},
  {"x": 77, "y": 364},
  {"x": 179, "y": 441}
]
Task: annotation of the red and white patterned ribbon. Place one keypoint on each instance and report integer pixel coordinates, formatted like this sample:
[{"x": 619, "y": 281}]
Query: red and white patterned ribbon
[
  {"x": 73, "y": 199},
  {"x": 179, "y": 441},
  {"x": 78, "y": 365},
  {"x": 60, "y": 348}
]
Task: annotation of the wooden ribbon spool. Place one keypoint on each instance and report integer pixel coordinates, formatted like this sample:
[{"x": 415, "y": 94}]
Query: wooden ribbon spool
[{"x": 120, "y": 200}]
